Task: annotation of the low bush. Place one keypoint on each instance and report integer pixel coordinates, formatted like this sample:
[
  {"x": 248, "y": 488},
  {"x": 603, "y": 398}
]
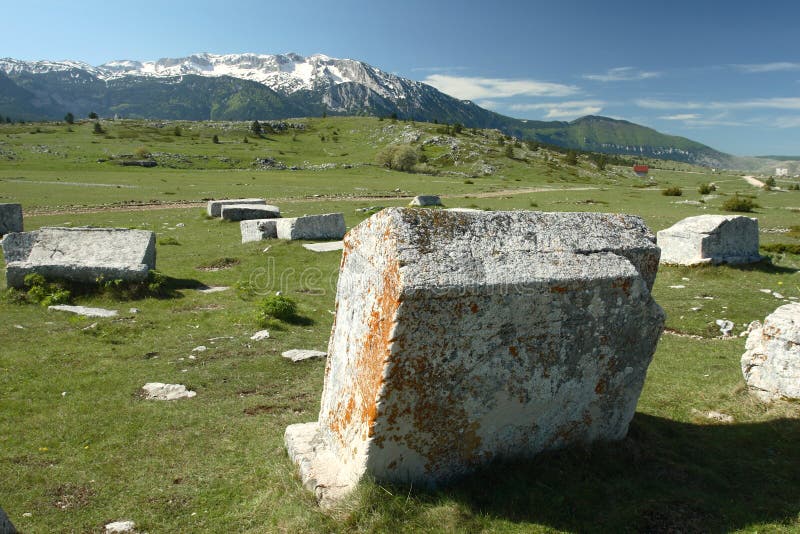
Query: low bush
[
  {"x": 276, "y": 307},
  {"x": 672, "y": 192},
  {"x": 706, "y": 189},
  {"x": 739, "y": 204}
]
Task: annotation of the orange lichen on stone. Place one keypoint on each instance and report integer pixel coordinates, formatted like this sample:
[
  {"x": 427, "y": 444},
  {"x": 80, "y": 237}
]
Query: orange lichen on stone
[
  {"x": 514, "y": 351},
  {"x": 473, "y": 307}
]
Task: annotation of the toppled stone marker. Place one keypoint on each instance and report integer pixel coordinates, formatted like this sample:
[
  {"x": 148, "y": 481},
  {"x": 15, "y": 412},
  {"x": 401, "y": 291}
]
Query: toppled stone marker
[
  {"x": 6, "y": 526},
  {"x": 462, "y": 337},
  {"x": 10, "y": 218},
  {"x": 160, "y": 391},
  {"x": 324, "y": 247},
  {"x": 771, "y": 365},
  {"x": 214, "y": 207},
  {"x": 298, "y": 355},
  {"x": 84, "y": 310},
  {"x": 714, "y": 239},
  {"x": 243, "y": 212},
  {"x": 327, "y": 226},
  {"x": 258, "y": 229},
  {"x": 79, "y": 254},
  {"x": 426, "y": 200}
]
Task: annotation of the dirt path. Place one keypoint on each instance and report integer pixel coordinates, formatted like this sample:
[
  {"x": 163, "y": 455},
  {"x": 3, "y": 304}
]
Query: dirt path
[
  {"x": 151, "y": 206},
  {"x": 752, "y": 181}
]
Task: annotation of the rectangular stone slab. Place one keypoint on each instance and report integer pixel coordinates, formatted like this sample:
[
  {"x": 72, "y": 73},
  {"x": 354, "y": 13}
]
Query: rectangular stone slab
[
  {"x": 10, "y": 218},
  {"x": 79, "y": 254},
  {"x": 462, "y": 337},
  {"x": 328, "y": 226},
  {"x": 243, "y": 212},
  {"x": 214, "y": 207},
  {"x": 258, "y": 229},
  {"x": 714, "y": 239}
]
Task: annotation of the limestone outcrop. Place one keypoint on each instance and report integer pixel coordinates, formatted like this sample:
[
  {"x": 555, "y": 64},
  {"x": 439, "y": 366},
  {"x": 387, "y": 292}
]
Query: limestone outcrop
[{"x": 771, "y": 365}]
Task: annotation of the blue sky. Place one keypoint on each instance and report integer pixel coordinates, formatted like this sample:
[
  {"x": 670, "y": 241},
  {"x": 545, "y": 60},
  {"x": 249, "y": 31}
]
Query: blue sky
[{"x": 725, "y": 73}]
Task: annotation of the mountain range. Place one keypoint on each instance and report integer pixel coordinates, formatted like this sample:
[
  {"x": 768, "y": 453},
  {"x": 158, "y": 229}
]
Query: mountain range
[{"x": 256, "y": 86}]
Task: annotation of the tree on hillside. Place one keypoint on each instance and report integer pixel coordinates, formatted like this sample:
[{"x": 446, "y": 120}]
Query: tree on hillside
[
  {"x": 571, "y": 158},
  {"x": 97, "y": 128},
  {"x": 256, "y": 128},
  {"x": 93, "y": 115},
  {"x": 215, "y": 139},
  {"x": 69, "y": 118}
]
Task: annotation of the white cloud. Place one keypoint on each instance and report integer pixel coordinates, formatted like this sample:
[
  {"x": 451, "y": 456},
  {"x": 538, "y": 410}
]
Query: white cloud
[
  {"x": 488, "y": 104},
  {"x": 757, "y": 103},
  {"x": 471, "y": 88},
  {"x": 788, "y": 122},
  {"x": 768, "y": 67},
  {"x": 563, "y": 110},
  {"x": 680, "y": 117},
  {"x": 622, "y": 74}
]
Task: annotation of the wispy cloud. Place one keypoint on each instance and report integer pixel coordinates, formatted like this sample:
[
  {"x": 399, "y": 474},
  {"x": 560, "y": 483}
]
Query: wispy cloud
[
  {"x": 788, "y": 122},
  {"x": 680, "y": 117},
  {"x": 777, "y": 66},
  {"x": 471, "y": 88},
  {"x": 488, "y": 104},
  {"x": 438, "y": 69},
  {"x": 756, "y": 103},
  {"x": 563, "y": 110},
  {"x": 622, "y": 74}
]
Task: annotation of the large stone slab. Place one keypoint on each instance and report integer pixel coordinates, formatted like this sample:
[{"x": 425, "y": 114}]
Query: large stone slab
[
  {"x": 771, "y": 365},
  {"x": 79, "y": 254},
  {"x": 328, "y": 246},
  {"x": 710, "y": 239},
  {"x": 10, "y": 218},
  {"x": 327, "y": 226},
  {"x": 461, "y": 337},
  {"x": 258, "y": 229},
  {"x": 214, "y": 207},
  {"x": 243, "y": 212}
]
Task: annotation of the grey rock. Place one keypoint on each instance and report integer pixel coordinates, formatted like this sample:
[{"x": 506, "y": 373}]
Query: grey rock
[
  {"x": 120, "y": 527},
  {"x": 85, "y": 311},
  {"x": 258, "y": 229},
  {"x": 710, "y": 239},
  {"x": 771, "y": 364},
  {"x": 464, "y": 337},
  {"x": 298, "y": 355},
  {"x": 6, "y": 526},
  {"x": 243, "y": 212},
  {"x": 214, "y": 289},
  {"x": 327, "y": 226},
  {"x": 79, "y": 254},
  {"x": 426, "y": 200},
  {"x": 161, "y": 391},
  {"x": 725, "y": 326},
  {"x": 330, "y": 246},
  {"x": 10, "y": 218},
  {"x": 214, "y": 207},
  {"x": 260, "y": 335}
]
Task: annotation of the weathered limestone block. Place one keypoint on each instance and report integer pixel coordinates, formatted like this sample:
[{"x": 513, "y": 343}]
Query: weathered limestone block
[
  {"x": 426, "y": 200},
  {"x": 243, "y": 212},
  {"x": 771, "y": 365},
  {"x": 328, "y": 246},
  {"x": 258, "y": 229},
  {"x": 461, "y": 337},
  {"x": 79, "y": 254},
  {"x": 328, "y": 226},
  {"x": 710, "y": 239},
  {"x": 10, "y": 218},
  {"x": 214, "y": 207}
]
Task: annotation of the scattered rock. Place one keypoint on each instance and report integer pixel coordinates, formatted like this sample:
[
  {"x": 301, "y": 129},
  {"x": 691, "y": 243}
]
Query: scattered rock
[
  {"x": 214, "y": 289},
  {"x": 120, "y": 527},
  {"x": 771, "y": 365},
  {"x": 725, "y": 326},
  {"x": 714, "y": 416},
  {"x": 324, "y": 247},
  {"x": 261, "y": 334},
  {"x": 85, "y": 311},
  {"x": 134, "y": 311},
  {"x": 777, "y": 295},
  {"x": 298, "y": 355},
  {"x": 713, "y": 239},
  {"x": 767, "y": 291},
  {"x": 160, "y": 391},
  {"x": 200, "y": 348},
  {"x": 677, "y": 287},
  {"x": 426, "y": 200}
]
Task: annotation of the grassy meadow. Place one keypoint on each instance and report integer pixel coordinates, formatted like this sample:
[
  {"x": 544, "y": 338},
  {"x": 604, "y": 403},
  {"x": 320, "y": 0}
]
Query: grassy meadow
[{"x": 80, "y": 448}]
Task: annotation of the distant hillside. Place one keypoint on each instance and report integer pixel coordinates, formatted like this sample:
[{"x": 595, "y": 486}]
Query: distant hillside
[{"x": 250, "y": 86}]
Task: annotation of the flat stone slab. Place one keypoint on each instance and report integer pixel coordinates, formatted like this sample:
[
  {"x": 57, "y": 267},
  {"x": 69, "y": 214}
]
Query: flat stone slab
[
  {"x": 79, "y": 254},
  {"x": 298, "y": 355},
  {"x": 85, "y": 311},
  {"x": 426, "y": 200},
  {"x": 462, "y": 337},
  {"x": 242, "y": 212},
  {"x": 771, "y": 365},
  {"x": 324, "y": 247},
  {"x": 10, "y": 218},
  {"x": 258, "y": 229},
  {"x": 214, "y": 289},
  {"x": 214, "y": 207},
  {"x": 161, "y": 391},
  {"x": 713, "y": 239},
  {"x": 327, "y": 226}
]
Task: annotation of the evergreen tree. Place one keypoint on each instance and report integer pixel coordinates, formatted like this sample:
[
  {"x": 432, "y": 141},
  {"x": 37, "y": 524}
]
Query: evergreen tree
[
  {"x": 69, "y": 118},
  {"x": 215, "y": 139},
  {"x": 97, "y": 128},
  {"x": 256, "y": 128},
  {"x": 93, "y": 115}
]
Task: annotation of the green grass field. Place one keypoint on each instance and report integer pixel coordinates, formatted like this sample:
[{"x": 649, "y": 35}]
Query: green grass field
[{"x": 79, "y": 448}]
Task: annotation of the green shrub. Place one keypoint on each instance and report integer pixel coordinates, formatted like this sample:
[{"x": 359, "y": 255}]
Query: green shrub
[
  {"x": 672, "y": 192},
  {"x": 706, "y": 189},
  {"x": 168, "y": 240},
  {"x": 398, "y": 157},
  {"x": 141, "y": 152},
  {"x": 740, "y": 204},
  {"x": 276, "y": 307},
  {"x": 39, "y": 290},
  {"x": 782, "y": 248},
  {"x": 794, "y": 187},
  {"x": 468, "y": 182}
]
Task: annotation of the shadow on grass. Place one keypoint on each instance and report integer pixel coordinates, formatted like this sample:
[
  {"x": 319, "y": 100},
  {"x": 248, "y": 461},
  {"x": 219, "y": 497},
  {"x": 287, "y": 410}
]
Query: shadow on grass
[
  {"x": 666, "y": 476},
  {"x": 765, "y": 266}
]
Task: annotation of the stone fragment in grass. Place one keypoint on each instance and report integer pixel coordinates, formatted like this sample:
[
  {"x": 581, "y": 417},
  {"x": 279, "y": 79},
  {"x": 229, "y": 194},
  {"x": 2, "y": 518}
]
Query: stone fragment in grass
[
  {"x": 258, "y": 229},
  {"x": 6, "y": 526},
  {"x": 10, "y": 218},
  {"x": 214, "y": 289},
  {"x": 298, "y": 355},
  {"x": 713, "y": 239},
  {"x": 120, "y": 527},
  {"x": 160, "y": 391},
  {"x": 214, "y": 207},
  {"x": 200, "y": 348},
  {"x": 326, "y": 226},
  {"x": 725, "y": 326},
  {"x": 261, "y": 334},
  {"x": 426, "y": 200},
  {"x": 84, "y": 310},
  {"x": 771, "y": 364},
  {"x": 324, "y": 247},
  {"x": 464, "y": 337}
]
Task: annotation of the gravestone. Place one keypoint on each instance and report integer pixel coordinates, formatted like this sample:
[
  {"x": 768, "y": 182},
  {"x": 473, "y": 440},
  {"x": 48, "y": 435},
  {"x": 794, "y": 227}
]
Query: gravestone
[
  {"x": 426, "y": 200},
  {"x": 327, "y": 226},
  {"x": 461, "y": 337},
  {"x": 771, "y": 365},
  {"x": 79, "y": 254},
  {"x": 214, "y": 207},
  {"x": 714, "y": 239},
  {"x": 10, "y": 218},
  {"x": 258, "y": 229},
  {"x": 243, "y": 212}
]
